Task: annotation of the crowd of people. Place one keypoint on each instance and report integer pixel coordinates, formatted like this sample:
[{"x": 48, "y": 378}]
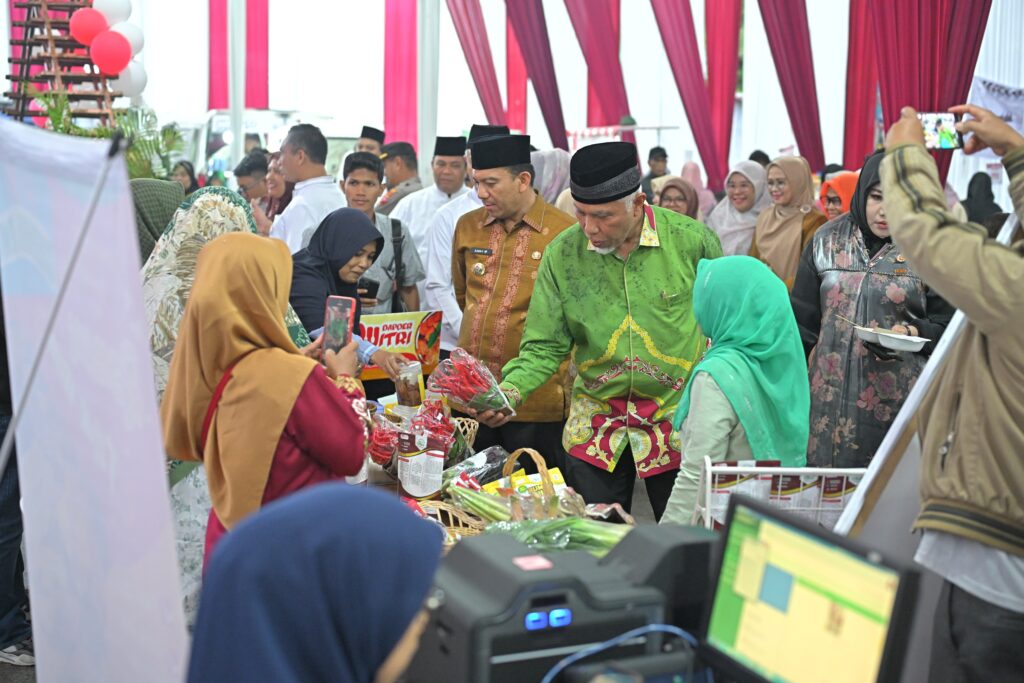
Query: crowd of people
[{"x": 637, "y": 324}]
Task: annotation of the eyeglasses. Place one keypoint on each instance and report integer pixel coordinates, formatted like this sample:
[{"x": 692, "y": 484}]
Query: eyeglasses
[
  {"x": 245, "y": 189},
  {"x": 673, "y": 199},
  {"x": 833, "y": 201}
]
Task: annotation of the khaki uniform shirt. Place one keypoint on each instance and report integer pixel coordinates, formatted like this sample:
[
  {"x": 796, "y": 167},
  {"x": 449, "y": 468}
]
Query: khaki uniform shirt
[{"x": 493, "y": 273}]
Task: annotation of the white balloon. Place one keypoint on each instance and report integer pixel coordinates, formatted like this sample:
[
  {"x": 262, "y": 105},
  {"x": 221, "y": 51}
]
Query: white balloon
[
  {"x": 133, "y": 33},
  {"x": 132, "y": 81},
  {"x": 115, "y": 11}
]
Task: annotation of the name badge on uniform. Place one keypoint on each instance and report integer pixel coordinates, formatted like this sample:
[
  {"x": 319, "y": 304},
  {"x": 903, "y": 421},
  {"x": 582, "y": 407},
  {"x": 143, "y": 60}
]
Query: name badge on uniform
[{"x": 477, "y": 251}]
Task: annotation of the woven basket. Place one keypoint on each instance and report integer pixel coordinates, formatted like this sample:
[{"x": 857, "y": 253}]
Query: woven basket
[
  {"x": 459, "y": 523},
  {"x": 469, "y": 428}
]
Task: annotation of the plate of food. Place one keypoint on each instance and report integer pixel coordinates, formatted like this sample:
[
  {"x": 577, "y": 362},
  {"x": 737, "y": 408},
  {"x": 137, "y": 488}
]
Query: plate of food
[{"x": 890, "y": 340}]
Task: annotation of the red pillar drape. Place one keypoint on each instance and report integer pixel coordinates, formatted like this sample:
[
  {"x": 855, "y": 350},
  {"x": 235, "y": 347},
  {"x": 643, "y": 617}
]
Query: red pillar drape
[
  {"x": 257, "y": 54},
  {"x": 515, "y": 81},
  {"x": 400, "y": 71},
  {"x": 595, "y": 28},
  {"x": 675, "y": 21},
  {"x": 217, "y": 97},
  {"x": 469, "y": 25},
  {"x": 527, "y": 17},
  {"x": 596, "y": 114},
  {"x": 785, "y": 22},
  {"x": 722, "y": 20},
  {"x": 861, "y": 87},
  {"x": 927, "y": 50}
]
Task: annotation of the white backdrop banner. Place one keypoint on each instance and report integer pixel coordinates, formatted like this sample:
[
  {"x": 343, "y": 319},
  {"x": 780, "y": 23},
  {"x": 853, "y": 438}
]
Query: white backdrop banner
[
  {"x": 103, "y": 576},
  {"x": 1007, "y": 102}
]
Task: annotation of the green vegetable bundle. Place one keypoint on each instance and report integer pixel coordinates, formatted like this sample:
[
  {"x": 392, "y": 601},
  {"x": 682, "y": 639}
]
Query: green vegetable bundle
[
  {"x": 484, "y": 505},
  {"x": 571, "y": 533}
]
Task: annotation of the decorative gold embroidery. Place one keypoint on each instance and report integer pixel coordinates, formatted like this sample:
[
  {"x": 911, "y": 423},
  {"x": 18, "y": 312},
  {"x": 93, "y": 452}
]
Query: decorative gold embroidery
[
  {"x": 629, "y": 324},
  {"x": 500, "y": 330}
]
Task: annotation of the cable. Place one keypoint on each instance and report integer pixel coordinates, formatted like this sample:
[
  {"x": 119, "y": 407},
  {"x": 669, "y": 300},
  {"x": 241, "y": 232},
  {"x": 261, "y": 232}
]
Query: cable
[{"x": 618, "y": 640}]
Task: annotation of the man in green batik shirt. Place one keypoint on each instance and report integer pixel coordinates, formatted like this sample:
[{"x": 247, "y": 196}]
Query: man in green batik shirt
[{"x": 616, "y": 292}]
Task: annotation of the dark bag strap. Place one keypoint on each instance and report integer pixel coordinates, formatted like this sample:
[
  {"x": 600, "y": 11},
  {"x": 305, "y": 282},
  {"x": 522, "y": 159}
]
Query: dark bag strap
[{"x": 396, "y": 241}]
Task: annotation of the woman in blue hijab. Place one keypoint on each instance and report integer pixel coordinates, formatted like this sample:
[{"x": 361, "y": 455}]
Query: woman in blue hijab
[{"x": 325, "y": 585}]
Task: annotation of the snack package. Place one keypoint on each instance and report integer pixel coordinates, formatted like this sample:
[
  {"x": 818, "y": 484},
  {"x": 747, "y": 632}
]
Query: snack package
[
  {"x": 410, "y": 384},
  {"x": 433, "y": 418},
  {"x": 420, "y": 464},
  {"x": 469, "y": 385}
]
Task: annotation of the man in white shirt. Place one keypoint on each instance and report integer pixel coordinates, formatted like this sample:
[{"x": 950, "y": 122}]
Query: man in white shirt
[
  {"x": 418, "y": 209},
  {"x": 439, "y": 293},
  {"x": 303, "y": 155}
]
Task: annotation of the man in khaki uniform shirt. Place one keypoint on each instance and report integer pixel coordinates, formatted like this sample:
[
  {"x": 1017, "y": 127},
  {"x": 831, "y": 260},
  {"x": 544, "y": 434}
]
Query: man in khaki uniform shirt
[{"x": 496, "y": 252}]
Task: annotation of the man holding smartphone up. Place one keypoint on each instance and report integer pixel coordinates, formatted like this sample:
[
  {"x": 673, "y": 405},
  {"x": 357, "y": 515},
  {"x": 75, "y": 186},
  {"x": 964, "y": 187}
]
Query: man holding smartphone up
[{"x": 398, "y": 269}]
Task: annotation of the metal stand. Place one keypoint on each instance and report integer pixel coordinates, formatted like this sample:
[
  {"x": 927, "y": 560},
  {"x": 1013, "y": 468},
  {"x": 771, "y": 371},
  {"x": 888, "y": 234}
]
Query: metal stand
[{"x": 116, "y": 148}]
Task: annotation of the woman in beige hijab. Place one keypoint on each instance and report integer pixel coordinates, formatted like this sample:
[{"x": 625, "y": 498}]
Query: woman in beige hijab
[{"x": 785, "y": 228}]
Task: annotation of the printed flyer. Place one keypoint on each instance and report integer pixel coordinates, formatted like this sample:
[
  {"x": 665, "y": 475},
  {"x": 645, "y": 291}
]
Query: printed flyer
[{"x": 416, "y": 335}]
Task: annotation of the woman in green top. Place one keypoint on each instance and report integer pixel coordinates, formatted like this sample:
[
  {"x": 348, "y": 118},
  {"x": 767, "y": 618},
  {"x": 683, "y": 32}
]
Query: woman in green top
[{"x": 749, "y": 399}]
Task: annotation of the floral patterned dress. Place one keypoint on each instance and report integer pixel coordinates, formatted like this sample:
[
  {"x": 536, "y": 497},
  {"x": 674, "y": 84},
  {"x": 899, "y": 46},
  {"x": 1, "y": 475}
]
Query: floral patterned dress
[
  {"x": 854, "y": 394},
  {"x": 167, "y": 282}
]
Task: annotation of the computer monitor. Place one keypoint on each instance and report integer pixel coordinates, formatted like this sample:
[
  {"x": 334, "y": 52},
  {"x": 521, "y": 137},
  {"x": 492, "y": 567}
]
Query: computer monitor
[{"x": 794, "y": 603}]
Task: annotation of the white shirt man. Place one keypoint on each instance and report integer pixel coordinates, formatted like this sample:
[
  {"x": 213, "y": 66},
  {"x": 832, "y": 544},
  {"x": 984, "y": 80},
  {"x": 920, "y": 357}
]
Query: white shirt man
[
  {"x": 439, "y": 291},
  {"x": 311, "y": 201},
  {"x": 417, "y": 209}
]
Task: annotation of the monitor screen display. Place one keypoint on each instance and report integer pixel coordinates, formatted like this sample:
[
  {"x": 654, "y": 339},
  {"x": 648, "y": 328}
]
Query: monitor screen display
[{"x": 792, "y": 607}]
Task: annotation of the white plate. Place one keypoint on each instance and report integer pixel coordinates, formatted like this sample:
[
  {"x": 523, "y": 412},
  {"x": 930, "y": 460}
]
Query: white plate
[
  {"x": 902, "y": 342},
  {"x": 867, "y": 334}
]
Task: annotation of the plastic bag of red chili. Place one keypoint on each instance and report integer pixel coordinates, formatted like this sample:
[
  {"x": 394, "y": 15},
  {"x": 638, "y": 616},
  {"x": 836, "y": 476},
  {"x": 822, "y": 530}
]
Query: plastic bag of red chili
[{"x": 468, "y": 384}]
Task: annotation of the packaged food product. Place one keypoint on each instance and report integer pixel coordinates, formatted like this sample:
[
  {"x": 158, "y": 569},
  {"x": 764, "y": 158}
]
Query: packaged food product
[{"x": 410, "y": 384}]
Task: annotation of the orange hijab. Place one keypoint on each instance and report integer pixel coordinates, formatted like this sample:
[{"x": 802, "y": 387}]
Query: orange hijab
[
  {"x": 779, "y": 232},
  {"x": 235, "y": 320},
  {"x": 844, "y": 184}
]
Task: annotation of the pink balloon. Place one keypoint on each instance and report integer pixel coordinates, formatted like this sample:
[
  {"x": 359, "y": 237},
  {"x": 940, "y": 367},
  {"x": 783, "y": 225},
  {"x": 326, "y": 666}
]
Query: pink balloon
[
  {"x": 86, "y": 24},
  {"x": 111, "y": 52}
]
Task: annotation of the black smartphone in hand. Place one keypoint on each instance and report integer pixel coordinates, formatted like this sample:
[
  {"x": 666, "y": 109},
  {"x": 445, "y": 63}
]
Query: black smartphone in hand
[{"x": 372, "y": 287}]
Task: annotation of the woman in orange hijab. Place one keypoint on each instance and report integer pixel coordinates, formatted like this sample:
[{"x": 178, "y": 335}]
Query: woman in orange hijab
[
  {"x": 837, "y": 193},
  {"x": 264, "y": 417},
  {"x": 787, "y": 226}
]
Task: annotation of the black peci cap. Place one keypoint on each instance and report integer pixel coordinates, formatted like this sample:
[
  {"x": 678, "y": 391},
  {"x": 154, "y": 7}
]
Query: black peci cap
[
  {"x": 604, "y": 172},
  {"x": 501, "y": 152},
  {"x": 372, "y": 133}
]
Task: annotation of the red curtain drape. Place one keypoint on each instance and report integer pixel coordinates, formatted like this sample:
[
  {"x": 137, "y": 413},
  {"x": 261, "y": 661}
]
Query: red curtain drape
[
  {"x": 675, "y": 21},
  {"x": 596, "y": 115},
  {"x": 527, "y": 17},
  {"x": 927, "y": 50},
  {"x": 400, "y": 71},
  {"x": 596, "y": 26},
  {"x": 785, "y": 22},
  {"x": 469, "y": 25},
  {"x": 861, "y": 87},
  {"x": 722, "y": 42},
  {"x": 257, "y": 54},
  {"x": 257, "y": 57},
  {"x": 515, "y": 81},
  {"x": 217, "y": 97}
]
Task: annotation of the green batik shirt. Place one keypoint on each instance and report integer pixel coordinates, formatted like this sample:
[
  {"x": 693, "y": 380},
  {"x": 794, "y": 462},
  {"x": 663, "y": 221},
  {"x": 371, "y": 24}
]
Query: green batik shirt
[{"x": 630, "y": 328}]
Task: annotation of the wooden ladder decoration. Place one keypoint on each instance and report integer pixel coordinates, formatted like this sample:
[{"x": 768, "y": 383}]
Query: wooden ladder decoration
[{"x": 48, "y": 55}]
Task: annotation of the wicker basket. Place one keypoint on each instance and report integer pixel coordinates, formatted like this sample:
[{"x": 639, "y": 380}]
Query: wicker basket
[
  {"x": 459, "y": 523},
  {"x": 469, "y": 428}
]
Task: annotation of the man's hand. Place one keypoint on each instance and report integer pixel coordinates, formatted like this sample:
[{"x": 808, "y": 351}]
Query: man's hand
[
  {"x": 344, "y": 362},
  {"x": 907, "y": 130},
  {"x": 366, "y": 301},
  {"x": 390, "y": 363},
  {"x": 263, "y": 224},
  {"x": 314, "y": 350},
  {"x": 491, "y": 418},
  {"x": 987, "y": 130}
]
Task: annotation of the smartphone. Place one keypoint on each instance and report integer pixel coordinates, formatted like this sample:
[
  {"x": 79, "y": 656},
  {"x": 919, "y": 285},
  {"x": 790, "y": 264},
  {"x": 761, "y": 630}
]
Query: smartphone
[
  {"x": 372, "y": 287},
  {"x": 339, "y": 316},
  {"x": 940, "y": 130}
]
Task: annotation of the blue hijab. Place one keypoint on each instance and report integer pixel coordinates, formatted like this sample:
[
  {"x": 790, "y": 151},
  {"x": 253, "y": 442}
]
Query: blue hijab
[{"x": 319, "y": 586}]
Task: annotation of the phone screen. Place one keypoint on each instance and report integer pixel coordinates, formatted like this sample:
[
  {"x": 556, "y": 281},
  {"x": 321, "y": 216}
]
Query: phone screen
[
  {"x": 338, "y": 318},
  {"x": 940, "y": 130}
]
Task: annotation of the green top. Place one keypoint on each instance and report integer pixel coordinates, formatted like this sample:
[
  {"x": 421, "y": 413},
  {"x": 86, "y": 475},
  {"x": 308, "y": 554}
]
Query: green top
[
  {"x": 630, "y": 327},
  {"x": 756, "y": 357}
]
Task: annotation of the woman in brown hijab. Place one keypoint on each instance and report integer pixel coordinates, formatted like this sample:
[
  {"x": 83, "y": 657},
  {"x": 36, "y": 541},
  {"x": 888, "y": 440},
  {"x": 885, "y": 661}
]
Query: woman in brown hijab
[
  {"x": 678, "y": 195},
  {"x": 264, "y": 417},
  {"x": 787, "y": 226}
]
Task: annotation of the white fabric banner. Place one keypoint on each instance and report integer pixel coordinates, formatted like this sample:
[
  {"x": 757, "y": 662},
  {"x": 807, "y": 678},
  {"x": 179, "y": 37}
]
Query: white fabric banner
[
  {"x": 1005, "y": 101},
  {"x": 105, "y": 592}
]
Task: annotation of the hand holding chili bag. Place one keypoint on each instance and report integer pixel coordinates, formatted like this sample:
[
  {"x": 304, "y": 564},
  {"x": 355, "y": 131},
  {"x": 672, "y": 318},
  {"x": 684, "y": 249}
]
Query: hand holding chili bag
[{"x": 469, "y": 385}]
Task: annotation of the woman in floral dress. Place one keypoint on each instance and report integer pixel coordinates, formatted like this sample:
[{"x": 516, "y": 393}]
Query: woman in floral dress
[
  {"x": 851, "y": 271},
  {"x": 167, "y": 282}
]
